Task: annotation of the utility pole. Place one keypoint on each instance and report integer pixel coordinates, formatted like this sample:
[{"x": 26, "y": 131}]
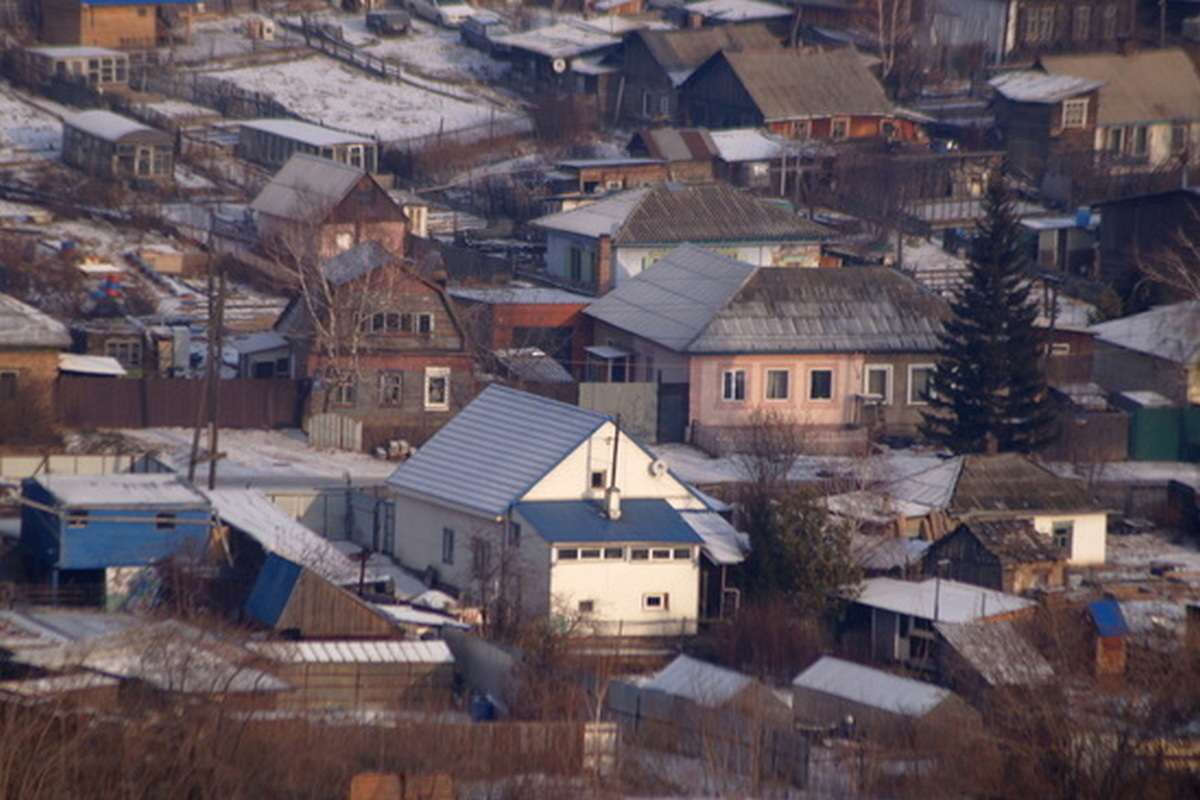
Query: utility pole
[{"x": 206, "y": 410}]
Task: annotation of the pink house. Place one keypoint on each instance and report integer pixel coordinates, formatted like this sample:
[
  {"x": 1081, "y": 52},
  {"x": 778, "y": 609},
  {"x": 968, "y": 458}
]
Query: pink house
[{"x": 846, "y": 352}]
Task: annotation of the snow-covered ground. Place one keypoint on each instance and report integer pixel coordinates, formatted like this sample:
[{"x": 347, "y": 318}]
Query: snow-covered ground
[{"x": 29, "y": 130}]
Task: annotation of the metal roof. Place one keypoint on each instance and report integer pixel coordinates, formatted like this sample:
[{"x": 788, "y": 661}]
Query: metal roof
[
  {"x": 676, "y": 144},
  {"x": 598, "y": 218},
  {"x": 680, "y": 52},
  {"x": 1171, "y": 332},
  {"x": 316, "y": 135},
  {"x": 493, "y": 451},
  {"x": 703, "y": 683},
  {"x": 1107, "y": 616},
  {"x": 722, "y": 543},
  {"x": 871, "y": 687},
  {"x": 121, "y": 490},
  {"x": 748, "y": 144},
  {"x": 519, "y": 295},
  {"x": 1146, "y": 86},
  {"x": 562, "y": 40},
  {"x": 75, "y": 51},
  {"x": 306, "y": 188},
  {"x": 1010, "y": 482},
  {"x": 673, "y": 301},
  {"x": 355, "y": 651},
  {"x": 23, "y": 326},
  {"x": 110, "y": 126},
  {"x": 409, "y": 615},
  {"x": 642, "y": 520},
  {"x": 90, "y": 365},
  {"x": 951, "y": 601},
  {"x": 737, "y": 10},
  {"x": 1031, "y": 86},
  {"x": 998, "y": 652}
]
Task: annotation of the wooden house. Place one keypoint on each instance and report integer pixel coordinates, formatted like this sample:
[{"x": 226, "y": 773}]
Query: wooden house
[
  {"x": 110, "y": 147},
  {"x": 1159, "y": 227},
  {"x": 567, "y": 58},
  {"x": 271, "y": 142},
  {"x": 688, "y": 155},
  {"x": 1155, "y": 351},
  {"x": 1005, "y": 555},
  {"x": 30, "y": 343},
  {"x": 124, "y": 24},
  {"x": 515, "y": 317},
  {"x": 825, "y": 95},
  {"x": 316, "y": 208},
  {"x": 99, "y": 67}
]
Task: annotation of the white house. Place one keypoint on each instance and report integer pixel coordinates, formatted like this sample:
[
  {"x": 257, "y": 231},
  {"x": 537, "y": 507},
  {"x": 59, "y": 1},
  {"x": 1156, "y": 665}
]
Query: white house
[{"x": 531, "y": 507}]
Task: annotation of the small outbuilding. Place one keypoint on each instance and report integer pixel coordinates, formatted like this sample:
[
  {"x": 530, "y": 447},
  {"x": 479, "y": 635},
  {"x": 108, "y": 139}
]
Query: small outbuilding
[
  {"x": 271, "y": 142},
  {"x": 98, "y": 67},
  {"x": 1007, "y": 555},
  {"x": 108, "y": 146}
]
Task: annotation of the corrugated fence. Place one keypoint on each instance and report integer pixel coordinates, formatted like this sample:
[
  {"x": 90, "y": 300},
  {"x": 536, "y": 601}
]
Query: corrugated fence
[{"x": 85, "y": 402}]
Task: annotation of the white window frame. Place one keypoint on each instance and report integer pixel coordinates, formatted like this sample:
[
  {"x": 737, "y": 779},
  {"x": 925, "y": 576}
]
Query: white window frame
[
  {"x": 733, "y": 391},
  {"x": 1074, "y": 113},
  {"x": 886, "y": 398},
  {"x": 913, "y": 398},
  {"x": 832, "y": 385},
  {"x": 391, "y": 388},
  {"x": 1063, "y": 531},
  {"x": 656, "y": 601},
  {"x": 787, "y": 385},
  {"x": 433, "y": 374},
  {"x": 833, "y": 126}
]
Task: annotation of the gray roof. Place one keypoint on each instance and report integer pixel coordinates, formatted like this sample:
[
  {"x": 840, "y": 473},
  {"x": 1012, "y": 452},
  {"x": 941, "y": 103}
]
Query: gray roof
[
  {"x": 562, "y": 40},
  {"x": 1011, "y": 484},
  {"x": 737, "y": 10},
  {"x": 493, "y": 451},
  {"x": 1013, "y": 540},
  {"x": 316, "y": 135},
  {"x": 112, "y": 127},
  {"x": 938, "y": 600},
  {"x": 871, "y": 687},
  {"x": 673, "y": 301},
  {"x": 792, "y": 84},
  {"x": 672, "y": 213},
  {"x": 306, "y": 188},
  {"x": 354, "y": 651},
  {"x": 518, "y": 295},
  {"x": 1146, "y": 86},
  {"x": 1171, "y": 332},
  {"x": 355, "y": 262},
  {"x": 76, "y": 51},
  {"x": 998, "y": 652},
  {"x": 23, "y": 326},
  {"x": 680, "y": 52},
  {"x": 1031, "y": 86},
  {"x": 703, "y": 683},
  {"x": 846, "y": 310},
  {"x": 122, "y": 490}
]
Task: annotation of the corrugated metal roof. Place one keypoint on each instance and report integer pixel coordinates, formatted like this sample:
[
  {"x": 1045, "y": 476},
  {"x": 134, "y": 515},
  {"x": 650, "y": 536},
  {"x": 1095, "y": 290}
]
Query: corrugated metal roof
[
  {"x": 494, "y": 450},
  {"x": 998, "y": 652},
  {"x": 355, "y": 651},
  {"x": 599, "y": 218},
  {"x": 871, "y": 687},
  {"x": 847, "y": 310},
  {"x": 316, "y": 135},
  {"x": 23, "y": 326},
  {"x": 1107, "y": 616},
  {"x": 75, "y": 51},
  {"x": 673, "y": 301},
  {"x": 703, "y": 683},
  {"x": 306, "y": 188},
  {"x": 1030, "y": 86},
  {"x": 122, "y": 491},
  {"x": 722, "y": 543},
  {"x": 793, "y": 84},
  {"x": 952, "y": 601},
  {"x": 642, "y": 520},
  {"x": 1146, "y": 86},
  {"x": 408, "y": 615},
  {"x": 680, "y": 52},
  {"x": 674, "y": 144},
  {"x": 110, "y": 126},
  {"x": 1171, "y": 332}
]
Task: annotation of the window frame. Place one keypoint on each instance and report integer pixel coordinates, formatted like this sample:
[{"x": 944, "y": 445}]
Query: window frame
[
  {"x": 448, "y": 546},
  {"x": 1075, "y": 113},
  {"x": 839, "y": 122},
  {"x": 810, "y": 393},
  {"x": 432, "y": 375},
  {"x": 391, "y": 388},
  {"x": 888, "y": 372},
  {"x": 733, "y": 385},
  {"x": 913, "y": 399},
  {"x": 769, "y": 394},
  {"x": 656, "y": 601},
  {"x": 1063, "y": 533}
]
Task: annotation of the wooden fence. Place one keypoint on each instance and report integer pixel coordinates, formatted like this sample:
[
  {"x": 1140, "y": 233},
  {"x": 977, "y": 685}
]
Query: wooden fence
[{"x": 88, "y": 402}]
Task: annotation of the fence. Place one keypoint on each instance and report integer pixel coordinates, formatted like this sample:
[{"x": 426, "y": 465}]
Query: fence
[{"x": 86, "y": 402}]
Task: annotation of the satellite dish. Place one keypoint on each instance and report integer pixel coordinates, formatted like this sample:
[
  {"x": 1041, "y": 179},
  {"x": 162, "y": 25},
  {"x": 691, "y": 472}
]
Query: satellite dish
[
  {"x": 658, "y": 468},
  {"x": 559, "y": 65}
]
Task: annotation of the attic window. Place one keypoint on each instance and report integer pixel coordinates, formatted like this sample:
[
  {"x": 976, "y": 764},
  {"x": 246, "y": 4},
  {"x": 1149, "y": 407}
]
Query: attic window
[{"x": 599, "y": 478}]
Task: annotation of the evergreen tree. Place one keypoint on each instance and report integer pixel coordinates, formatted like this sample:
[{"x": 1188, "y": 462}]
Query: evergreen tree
[{"x": 989, "y": 384}]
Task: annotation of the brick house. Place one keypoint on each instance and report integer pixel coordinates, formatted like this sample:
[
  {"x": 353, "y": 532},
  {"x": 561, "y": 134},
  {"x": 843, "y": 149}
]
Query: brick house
[{"x": 125, "y": 24}]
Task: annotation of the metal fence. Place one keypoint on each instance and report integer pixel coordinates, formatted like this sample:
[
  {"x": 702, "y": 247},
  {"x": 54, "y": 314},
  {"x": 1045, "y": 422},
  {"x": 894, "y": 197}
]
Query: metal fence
[{"x": 87, "y": 402}]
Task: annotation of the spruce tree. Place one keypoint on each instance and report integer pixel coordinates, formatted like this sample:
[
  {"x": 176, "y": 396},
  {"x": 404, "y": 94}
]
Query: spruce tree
[{"x": 989, "y": 385}]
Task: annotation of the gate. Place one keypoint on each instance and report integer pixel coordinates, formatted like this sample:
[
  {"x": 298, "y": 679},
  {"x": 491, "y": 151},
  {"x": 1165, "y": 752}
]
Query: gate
[
  {"x": 335, "y": 432},
  {"x": 672, "y": 412}
]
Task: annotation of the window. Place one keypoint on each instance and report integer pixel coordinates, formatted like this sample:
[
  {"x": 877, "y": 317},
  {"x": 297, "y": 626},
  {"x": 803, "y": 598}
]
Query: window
[
  {"x": 568, "y": 554},
  {"x": 683, "y": 553},
  {"x": 575, "y": 265},
  {"x": 343, "y": 241},
  {"x": 425, "y": 323},
  {"x": 839, "y": 128},
  {"x": 1082, "y": 27},
  {"x": 437, "y": 388},
  {"x": 877, "y": 384},
  {"x": 481, "y": 557},
  {"x": 1059, "y": 349},
  {"x": 614, "y": 553},
  {"x": 391, "y": 389},
  {"x": 1138, "y": 140},
  {"x": 1179, "y": 138},
  {"x": 164, "y": 521},
  {"x": 920, "y": 377},
  {"x": 447, "y": 545},
  {"x": 599, "y": 478},
  {"x": 129, "y": 353},
  {"x": 733, "y": 385},
  {"x": 656, "y": 602},
  {"x": 820, "y": 384},
  {"x": 660, "y": 554},
  {"x": 590, "y": 554},
  {"x": 343, "y": 393},
  {"x": 1074, "y": 113},
  {"x": 1039, "y": 24},
  {"x": 777, "y": 384},
  {"x": 587, "y": 606},
  {"x": 639, "y": 554},
  {"x": 1109, "y": 20},
  {"x": 514, "y": 533},
  {"x": 8, "y": 385},
  {"x": 77, "y": 518},
  {"x": 1116, "y": 140},
  {"x": 801, "y": 130},
  {"x": 1063, "y": 533}
]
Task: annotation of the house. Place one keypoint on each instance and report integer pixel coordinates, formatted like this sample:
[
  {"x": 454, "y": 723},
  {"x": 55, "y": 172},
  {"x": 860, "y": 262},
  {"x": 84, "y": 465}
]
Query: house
[
  {"x": 597, "y": 246},
  {"x": 732, "y": 12},
  {"x": 934, "y": 500},
  {"x": 1154, "y": 351},
  {"x": 894, "y": 621},
  {"x": 30, "y": 343},
  {"x": 567, "y": 57},
  {"x": 110, "y": 147},
  {"x": 534, "y": 508},
  {"x": 78, "y": 525},
  {"x": 1007, "y": 555},
  {"x": 826, "y": 95},
  {"x": 656, "y": 62},
  {"x": 518, "y": 317},
  {"x": 754, "y": 159},
  {"x": 383, "y": 345},
  {"x": 882, "y": 707},
  {"x": 98, "y": 67},
  {"x": 686, "y": 155},
  {"x": 124, "y": 24},
  {"x": 1143, "y": 230},
  {"x": 315, "y": 207},
  {"x": 837, "y": 351},
  {"x": 271, "y": 142}
]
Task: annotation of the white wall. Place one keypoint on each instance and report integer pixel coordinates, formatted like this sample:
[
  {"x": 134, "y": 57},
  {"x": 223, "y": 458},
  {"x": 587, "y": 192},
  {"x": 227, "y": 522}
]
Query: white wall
[
  {"x": 1087, "y": 537},
  {"x": 617, "y": 590}
]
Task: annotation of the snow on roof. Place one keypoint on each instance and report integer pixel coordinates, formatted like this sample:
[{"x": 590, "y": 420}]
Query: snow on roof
[
  {"x": 702, "y": 683},
  {"x": 1171, "y": 332},
  {"x": 747, "y": 144},
  {"x": 22, "y": 325},
  {"x": 316, "y": 135},
  {"x": 598, "y": 218},
  {"x": 355, "y": 652},
  {"x": 108, "y": 125},
  {"x": 90, "y": 365},
  {"x": 882, "y": 553},
  {"x": 261, "y": 342},
  {"x": 736, "y": 10},
  {"x": 998, "y": 652},
  {"x": 122, "y": 491},
  {"x": 408, "y": 615},
  {"x": 563, "y": 40},
  {"x": 31, "y": 629},
  {"x": 722, "y": 543},
  {"x": 870, "y": 687},
  {"x": 75, "y": 51},
  {"x": 495, "y": 450},
  {"x": 938, "y": 599},
  {"x": 1029, "y": 86},
  {"x": 255, "y": 515},
  {"x": 57, "y": 684},
  {"x": 519, "y": 295}
]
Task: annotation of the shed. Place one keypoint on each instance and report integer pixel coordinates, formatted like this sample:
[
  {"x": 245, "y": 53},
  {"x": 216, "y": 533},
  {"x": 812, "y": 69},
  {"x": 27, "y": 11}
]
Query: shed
[
  {"x": 1110, "y": 632},
  {"x": 1008, "y": 555},
  {"x": 272, "y": 142},
  {"x": 108, "y": 146},
  {"x": 94, "y": 66},
  {"x": 884, "y": 707}
]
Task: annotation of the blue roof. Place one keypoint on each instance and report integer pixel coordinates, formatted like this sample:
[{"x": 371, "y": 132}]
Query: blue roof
[
  {"x": 495, "y": 450},
  {"x": 1108, "y": 618},
  {"x": 272, "y": 590},
  {"x": 655, "y": 521}
]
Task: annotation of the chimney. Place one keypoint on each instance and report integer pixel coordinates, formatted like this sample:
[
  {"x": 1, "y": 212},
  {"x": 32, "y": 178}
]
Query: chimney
[
  {"x": 604, "y": 265},
  {"x": 612, "y": 503}
]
